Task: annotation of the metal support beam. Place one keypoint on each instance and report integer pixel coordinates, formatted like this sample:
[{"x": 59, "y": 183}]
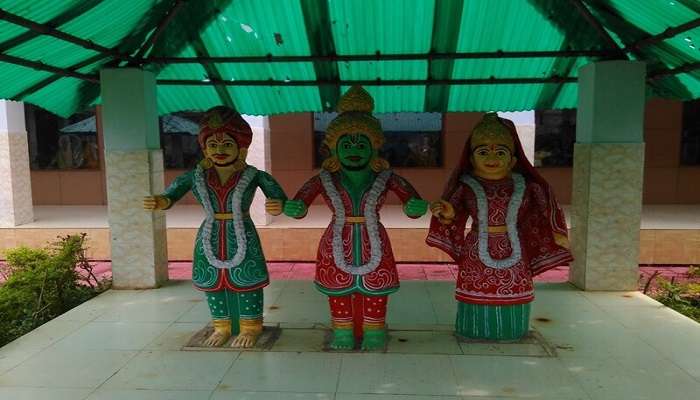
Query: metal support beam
[
  {"x": 48, "y": 68},
  {"x": 160, "y": 28},
  {"x": 60, "y": 19},
  {"x": 379, "y": 57},
  {"x": 667, "y": 34},
  {"x": 44, "y": 29},
  {"x": 685, "y": 68},
  {"x": 376, "y": 82},
  {"x": 598, "y": 27},
  {"x": 45, "y": 82}
]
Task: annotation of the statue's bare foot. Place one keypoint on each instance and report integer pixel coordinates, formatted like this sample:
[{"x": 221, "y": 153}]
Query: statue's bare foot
[
  {"x": 374, "y": 340},
  {"x": 218, "y": 338},
  {"x": 342, "y": 340},
  {"x": 245, "y": 341}
]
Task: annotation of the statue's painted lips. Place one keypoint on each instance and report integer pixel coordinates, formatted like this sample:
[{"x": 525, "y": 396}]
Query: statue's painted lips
[
  {"x": 354, "y": 158},
  {"x": 221, "y": 156}
]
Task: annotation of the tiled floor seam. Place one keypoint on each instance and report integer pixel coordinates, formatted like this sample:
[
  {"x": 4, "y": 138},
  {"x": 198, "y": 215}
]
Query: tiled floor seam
[
  {"x": 660, "y": 352},
  {"x": 573, "y": 378},
  {"x": 45, "y": 347},
  {"x": 337, "y": 380},
  {"x": 221, "y": 380},
  {"x": 136, "y": 353}
]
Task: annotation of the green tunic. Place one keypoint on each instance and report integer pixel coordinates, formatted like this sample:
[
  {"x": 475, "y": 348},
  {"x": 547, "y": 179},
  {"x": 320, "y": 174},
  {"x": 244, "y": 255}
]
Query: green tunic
[{"x": 251, "y": 273}]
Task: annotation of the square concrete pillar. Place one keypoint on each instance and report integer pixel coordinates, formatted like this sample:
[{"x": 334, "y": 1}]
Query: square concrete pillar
[
  {"x": 16, "y": 206},
  {"x": 259, "y": 157},
  {"x": 134, "y": 169},
  {"x": 608, "y": 176}
]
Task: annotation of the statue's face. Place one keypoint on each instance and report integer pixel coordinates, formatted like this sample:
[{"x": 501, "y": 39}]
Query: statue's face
[
  {"x": 222, "y": 149},
  {"x": 354, "y": 151},
  {"x": 492, "y": 161}
]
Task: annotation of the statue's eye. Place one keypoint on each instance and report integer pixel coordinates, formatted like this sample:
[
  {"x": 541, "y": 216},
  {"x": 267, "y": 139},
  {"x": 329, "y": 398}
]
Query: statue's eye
[
  {"x": 482, "y": 152},
  {"x": 346, "y": 146},
  {"x": 228, "y": 144},
  {"x": 361, "y": 146},
  {"x": 212, "y": 144},
  {"x": 501, "y": 153}
]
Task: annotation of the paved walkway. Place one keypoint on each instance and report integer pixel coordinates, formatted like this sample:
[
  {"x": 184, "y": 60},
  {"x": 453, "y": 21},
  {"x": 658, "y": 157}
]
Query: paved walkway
[{"x": 127, "y": 345}]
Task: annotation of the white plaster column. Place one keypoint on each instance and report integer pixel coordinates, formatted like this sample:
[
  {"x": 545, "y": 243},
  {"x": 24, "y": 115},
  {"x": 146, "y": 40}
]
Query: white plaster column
[
  {"x": 16, "y": 206},
  {"x": 608, "y": 175},
  {"x": 259, "y": 157},
  {"x": 134, "y": 169}
]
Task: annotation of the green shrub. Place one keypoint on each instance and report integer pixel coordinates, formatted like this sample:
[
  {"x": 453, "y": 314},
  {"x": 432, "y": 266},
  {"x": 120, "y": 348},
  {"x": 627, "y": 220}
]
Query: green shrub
[
  {"x": 42, "y": 284},
  {"x": 683, "y": 297}
]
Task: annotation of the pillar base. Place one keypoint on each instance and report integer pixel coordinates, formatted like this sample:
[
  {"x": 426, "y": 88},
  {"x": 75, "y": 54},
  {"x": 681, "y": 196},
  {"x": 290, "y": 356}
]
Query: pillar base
[
  {"x": 16, "y": 206},
  {"x": 606, "y": 214},
  {"x": 138, "y": 236}
]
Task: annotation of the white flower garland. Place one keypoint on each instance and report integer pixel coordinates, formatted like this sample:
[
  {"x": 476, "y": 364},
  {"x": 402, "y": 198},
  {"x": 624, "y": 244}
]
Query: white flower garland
[
  {"x": 200, "y": 188},
  {"x": 371, "y": 223},
  {"x": 511, "y": 221}
]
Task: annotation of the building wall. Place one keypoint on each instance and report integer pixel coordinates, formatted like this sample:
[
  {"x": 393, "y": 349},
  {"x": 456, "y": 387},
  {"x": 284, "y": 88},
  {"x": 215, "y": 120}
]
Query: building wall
[
  {"x": 665, "y": 182},
  {"x": 291, "y": 145}
]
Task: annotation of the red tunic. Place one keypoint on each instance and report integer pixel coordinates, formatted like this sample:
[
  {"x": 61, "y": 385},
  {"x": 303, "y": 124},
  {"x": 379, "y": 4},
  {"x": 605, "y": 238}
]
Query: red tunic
[
  {"x": 478, "y": 283},
  {"x": 329, "y": 278}
]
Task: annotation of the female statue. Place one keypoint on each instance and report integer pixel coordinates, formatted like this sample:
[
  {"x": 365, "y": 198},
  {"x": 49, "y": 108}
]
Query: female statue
[{"x": 517, "y": 232}]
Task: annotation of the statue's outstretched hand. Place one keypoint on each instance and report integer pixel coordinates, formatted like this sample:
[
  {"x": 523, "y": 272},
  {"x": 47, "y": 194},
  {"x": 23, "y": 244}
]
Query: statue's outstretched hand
[
  {"x": 415, "y": 207},
  {"x": 443, "y": 211},
  {"x": 295, "y": 208},
  {"x": 274, "y": 206},
  {"x": 155, "y": 203}
]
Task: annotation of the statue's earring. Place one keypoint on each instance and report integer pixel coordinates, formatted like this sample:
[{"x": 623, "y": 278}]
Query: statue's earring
[
  {"x": 331, "y": 164},
  {"x": 240, "y": 163},
  {"x": 206, "y": 163},
  {"x": 379, "y": 164}
]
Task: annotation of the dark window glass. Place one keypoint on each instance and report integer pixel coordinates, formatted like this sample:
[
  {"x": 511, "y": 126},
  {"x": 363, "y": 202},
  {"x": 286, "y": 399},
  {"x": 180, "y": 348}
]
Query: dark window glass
[
  {"x": 61, "y": 143},
  {"x": 178, "y": 137},
  {"x": 690, "y": 135},
  {"x": 555, "y": 134},
  {"x": 413, "y": 140}
]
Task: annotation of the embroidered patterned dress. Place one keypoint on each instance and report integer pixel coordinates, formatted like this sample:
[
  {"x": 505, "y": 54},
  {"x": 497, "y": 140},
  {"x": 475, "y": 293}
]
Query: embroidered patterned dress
[
  {"x": 355, "y": 257},
  {"x": 248, "y": 272},
  {"x": 508, "y": 282}
]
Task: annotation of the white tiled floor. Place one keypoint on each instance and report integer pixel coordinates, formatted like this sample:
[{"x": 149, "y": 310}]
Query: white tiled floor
[
  {"x": 190, "y": 216},
  {"x": 126, "y": 345}
]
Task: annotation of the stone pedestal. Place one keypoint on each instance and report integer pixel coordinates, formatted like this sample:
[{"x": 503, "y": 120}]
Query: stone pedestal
[
  {"x": 134, "y": 169},
  {"x": 16, "y": 206},
  {"x": 608, "y": 176}
]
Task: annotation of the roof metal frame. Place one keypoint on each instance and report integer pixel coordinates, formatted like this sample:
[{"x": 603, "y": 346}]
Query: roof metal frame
[
  {"x": 160, "y": 28},
  {"x": 322, "y": 55},
  {"x": 380, "y": 57},
  {"x": 48, "y": 68},
  {"x": 583, "y": 10},
  {"x": 45, "y": 29}
]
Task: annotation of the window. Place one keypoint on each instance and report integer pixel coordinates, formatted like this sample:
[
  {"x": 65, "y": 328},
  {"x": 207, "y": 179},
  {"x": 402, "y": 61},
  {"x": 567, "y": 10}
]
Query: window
[
  {"x": 555, "y": 134},
  {"x": 690, "y": 134},
  {"x": 413, "y": 140},
  {"x": 178, "y": 138},
  {"x": 61, "y": 143}
]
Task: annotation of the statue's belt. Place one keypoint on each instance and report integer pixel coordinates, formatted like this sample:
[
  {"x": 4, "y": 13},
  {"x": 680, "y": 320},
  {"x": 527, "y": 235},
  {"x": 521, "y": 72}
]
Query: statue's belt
[
  {"x": 497, "y": 229},
  {"x": 226, "y": 216},
  {"x": 355, "y": 220}
]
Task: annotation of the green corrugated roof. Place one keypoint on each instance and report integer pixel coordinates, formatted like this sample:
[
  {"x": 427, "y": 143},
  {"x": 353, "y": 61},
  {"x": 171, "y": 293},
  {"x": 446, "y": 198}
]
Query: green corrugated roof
[{"x": 279, "y": 28}]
